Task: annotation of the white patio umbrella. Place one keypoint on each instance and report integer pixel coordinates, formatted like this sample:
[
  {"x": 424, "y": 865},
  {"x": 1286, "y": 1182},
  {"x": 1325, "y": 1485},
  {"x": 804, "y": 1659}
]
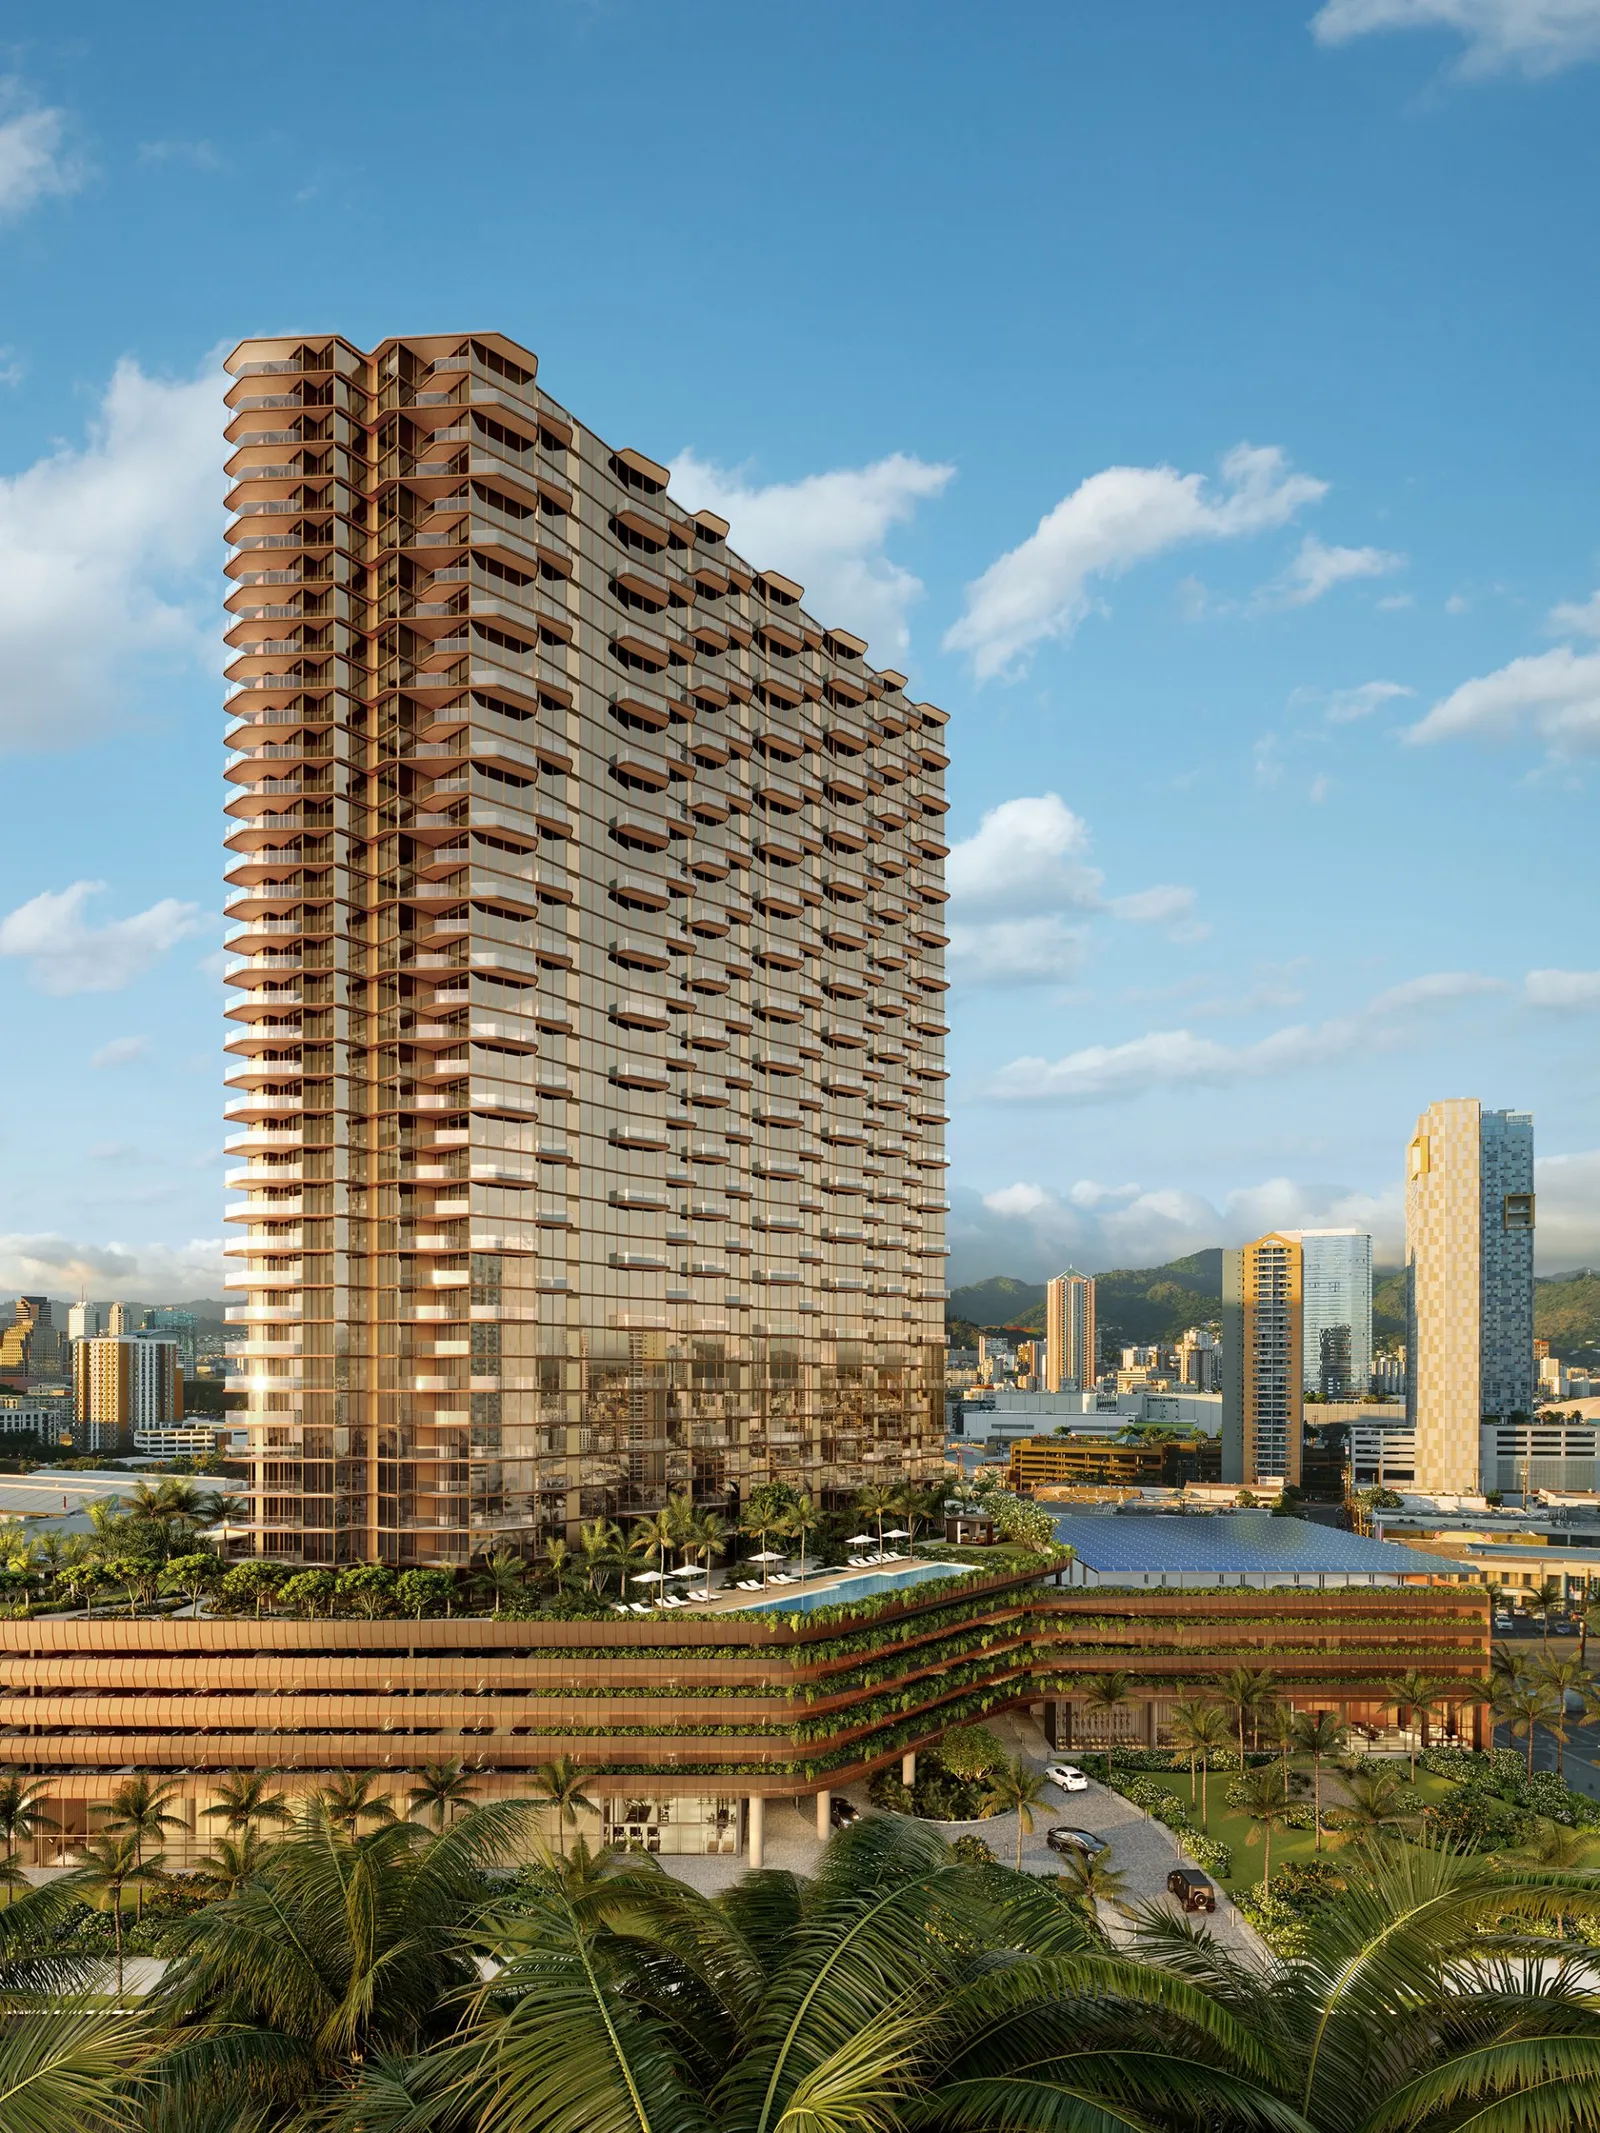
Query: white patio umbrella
[
  {"x": 767, "y": 1555},
  {"x": 859, "y": 1540},
  {"x": 897, "y": 1533},
  {"x": 648, "y": 1577}
]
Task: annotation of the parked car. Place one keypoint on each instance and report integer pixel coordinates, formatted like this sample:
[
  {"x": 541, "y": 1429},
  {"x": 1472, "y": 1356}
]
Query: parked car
[
  {"x": 841, "y": 1813},
  {"x": 1192, "y": 1889},
  {"x": 1062, "y": 1839},
  {"x": 1502, "y": 1622},
  {"x": 1068, "y": 1776}
]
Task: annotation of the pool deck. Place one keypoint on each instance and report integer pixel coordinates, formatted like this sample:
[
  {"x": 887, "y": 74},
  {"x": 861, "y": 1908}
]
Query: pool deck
[{"x": 726, "y": 1598}]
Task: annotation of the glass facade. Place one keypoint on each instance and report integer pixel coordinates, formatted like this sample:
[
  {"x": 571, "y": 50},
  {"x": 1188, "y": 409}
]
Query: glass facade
[
  {"x": 1336, "y": 1320},
  {"x": 585, "y": 1040}
]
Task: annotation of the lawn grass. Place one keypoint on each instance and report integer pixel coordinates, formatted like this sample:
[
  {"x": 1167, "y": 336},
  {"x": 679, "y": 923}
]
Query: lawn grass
[{"x": 1231, "y": 1826}]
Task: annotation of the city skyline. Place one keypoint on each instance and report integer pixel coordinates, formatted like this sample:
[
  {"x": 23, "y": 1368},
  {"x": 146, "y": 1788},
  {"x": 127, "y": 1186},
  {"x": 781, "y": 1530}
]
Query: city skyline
[{"x": 1243, "y": 524}]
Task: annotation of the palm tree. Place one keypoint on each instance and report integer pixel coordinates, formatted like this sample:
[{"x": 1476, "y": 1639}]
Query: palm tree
[
  {"x": 876, "y": 1501},
  {"x": 1319, "y": 1734},
  {"x": 1199, "y": 1729},
  {"x": 333, "y": 1960},
  {"x": 762, "y": 1524},
  {"x": 559, "y": 1557},
  {"x": 1421, "y": 1694},
  {"x": 1375, "y": 1807},
  {"x": 1265, "y": 1797},
  {"x": 1015, "y": 1788},
  {"x": 1561, "y": 1678},
  {"x": 561, "y": 1786},
  {"x": 501, "y": 1577},
  {"x": 231, "y": 1863},
  {"x": 442, "y": 1789},
  {"x": 111, "y": 1866},
  {"x": 1091, "y": 1879},
  {"x": 1543, "y": 1597},
  {"x": 1588, "y": 1616},
  {"x": 800, "y": 1521},
  {"x": 1106, "y": 1693},
  {"x": 710, "y": 1537},
  {"x": 1525, "y": 1706},
  {"x": 348, "y": 1798},
  {"x": 21, "y": 1816},
  {"x": 598, "y": 1543},
  {"x": 244, "y": 1799},
  {"x": 138, "y": 1810},
  {"x": 654, "y": 1537},
  {"x": 1246, "y": 1691}
]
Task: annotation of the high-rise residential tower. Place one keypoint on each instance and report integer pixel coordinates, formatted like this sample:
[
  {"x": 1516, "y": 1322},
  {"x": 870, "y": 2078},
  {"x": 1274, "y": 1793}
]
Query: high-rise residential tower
[
  {"x": 1263, "y": 1399},
  {"x": 587, "y": 1017},
  {"x": 1071, "y": 1355},
  {"x": 1469, "y": 1261},
  {"x": 1336, "y": 1311},
  {"x": 123, "y": 1382}
]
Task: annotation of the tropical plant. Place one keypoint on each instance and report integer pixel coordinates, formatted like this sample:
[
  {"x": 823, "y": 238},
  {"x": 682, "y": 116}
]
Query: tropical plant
[
  {"x": 245, "y": 1799},
  {"x": 21, "y": 1816},
  {"x": 350, "y": 1798},
  {"x": 367, "y": 1588},
  {"x": 1264, "y": 1795},
  {"x": 1106, "y": 1693},
  {"x": 442, "y": 1790},
  {"x": 560, "y": 1786},
  {"x": 192, "y": 1576},
  {"x": 1015, "y": 1788},
  {"x": 800, "y": 1521},
  {"x": 137, "y": 1810},
  {"x": 877, "y": 1502},
  {"x": 425, "y": 1592},
  {"x": 110, "y": 1867},
  {"x": 230, "y": 1863},
  {"x": 1544, "y": 1596},
  {"x": 1318, "y": 1735},
  {"x": 1199, "y": 1730},
  {"x": 709, "y": 1536},
  {"x": 1246, "y": 1692},
  {"x": 1376, "y": 1806},
  {"x": 1525, "y": 1706},
  {"x": 1089, "y": 1879},
  {"x": 599, "y": 1543},
  {"x": 310, "y": 1592},
  {"x": 1561, "y": 1678},
  {"x": 500, "y": 1579},
  {"x": 1420, "y": 1694}
]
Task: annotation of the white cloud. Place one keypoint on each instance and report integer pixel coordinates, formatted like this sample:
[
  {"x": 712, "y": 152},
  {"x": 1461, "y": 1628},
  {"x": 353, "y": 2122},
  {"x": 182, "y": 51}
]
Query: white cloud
[
  {"x": 1317, "y": 569},
  {"x": 1320, "y": 787},
  {"x": 69, "y": 954},
  {"x": 1570, "y": 989},
  {"x": 1533, "y": 37},
  {"x": 98, "y": 551},
  {"x": 1554, "y": 696},
  {"x": 1158, "y": 906},
  {"x": 1112, "y": 520},
  {"x": 827, "y": 530},
  {"x": 1568, "y": 1188},
  {"x": 1580, "y": 618},
  {"x": 121, "y": 1051},
  {"x": 34, "y": 162},
  {"x": 1016, "y": 951},
  {"x": 1346, "y": 705},
  {"x": 1178, "y": 1059},
  {"x": 1025, "y": 855},
  {"x": 1020, "y": 887},
  {"x": 146, "y": 1273},
  {"x": 1030, "y": 1230},
  {"x": 1457, "y": 604}
]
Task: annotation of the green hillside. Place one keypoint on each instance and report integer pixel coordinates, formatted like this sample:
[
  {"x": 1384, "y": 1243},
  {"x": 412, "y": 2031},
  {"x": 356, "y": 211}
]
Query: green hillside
[
  {"x": 1388, "y": 1305},
  {"x": 1566, "y": 1313},
  {"x": 1133, "y": 1305}
]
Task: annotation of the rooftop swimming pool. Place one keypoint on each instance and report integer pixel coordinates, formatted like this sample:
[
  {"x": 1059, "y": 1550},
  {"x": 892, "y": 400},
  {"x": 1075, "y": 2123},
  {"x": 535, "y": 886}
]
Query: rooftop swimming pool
[{"x": 858, "y": 1588}]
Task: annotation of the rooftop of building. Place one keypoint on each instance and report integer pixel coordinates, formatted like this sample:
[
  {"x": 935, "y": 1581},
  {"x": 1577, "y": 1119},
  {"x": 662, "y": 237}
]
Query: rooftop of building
[{"x": 1240, "y": 1544}]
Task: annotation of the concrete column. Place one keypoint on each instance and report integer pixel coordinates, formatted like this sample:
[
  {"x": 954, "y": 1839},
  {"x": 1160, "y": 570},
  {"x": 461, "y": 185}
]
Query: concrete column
[
  {"x": 824, "y": 1825},
  {"x": 908, "y": 1768},
  {"x": 757, "y": 1819}
]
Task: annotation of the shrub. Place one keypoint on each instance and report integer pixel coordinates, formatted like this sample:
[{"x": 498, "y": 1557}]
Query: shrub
[
  {"x": 971, "y": 1850},
  {"x": 1209, "y": 1853},
  {"x": 971, "y": 1751}
]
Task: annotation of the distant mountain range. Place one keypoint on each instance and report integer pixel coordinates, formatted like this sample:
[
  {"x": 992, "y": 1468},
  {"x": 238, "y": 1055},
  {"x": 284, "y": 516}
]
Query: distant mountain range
[{"x": 1138, "y": 1305}]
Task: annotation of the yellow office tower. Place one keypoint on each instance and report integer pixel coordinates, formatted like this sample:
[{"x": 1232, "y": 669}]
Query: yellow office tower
[
  {"x": 1263, "y": 1392},
  {"x": 1071, "y": 1362}
]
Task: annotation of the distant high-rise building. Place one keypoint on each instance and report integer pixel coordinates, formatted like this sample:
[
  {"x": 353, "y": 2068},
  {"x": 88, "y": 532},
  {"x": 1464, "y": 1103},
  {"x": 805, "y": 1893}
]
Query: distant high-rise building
[
  {"x": 120, "y": 1318},
  {"x": 1263, "y": 1394},
  {"x": 123, "y": 1383},
  {"x": 1071, "y": 1360},
  {"x": 1336, "y": 1311},
  {"x": 30, "y": 1347},
  {"x": 85, "y": 1321},
  {"x": 1200, "y": 1360},
  {"x": 1469, "y": 1262},
  {"x": 167, "y": 1318}
]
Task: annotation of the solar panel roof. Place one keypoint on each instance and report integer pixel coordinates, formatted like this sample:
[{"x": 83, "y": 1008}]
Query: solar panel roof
[{"x": 1236, "y": 1544}]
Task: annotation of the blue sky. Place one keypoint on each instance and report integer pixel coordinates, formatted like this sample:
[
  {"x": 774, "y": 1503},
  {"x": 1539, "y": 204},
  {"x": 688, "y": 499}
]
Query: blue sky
[{"x": 1195, "y": 399}]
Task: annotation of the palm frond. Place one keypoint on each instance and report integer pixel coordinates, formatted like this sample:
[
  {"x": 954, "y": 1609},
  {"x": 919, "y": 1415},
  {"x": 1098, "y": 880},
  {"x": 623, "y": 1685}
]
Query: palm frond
[{"x": 72, "y": 2063}]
